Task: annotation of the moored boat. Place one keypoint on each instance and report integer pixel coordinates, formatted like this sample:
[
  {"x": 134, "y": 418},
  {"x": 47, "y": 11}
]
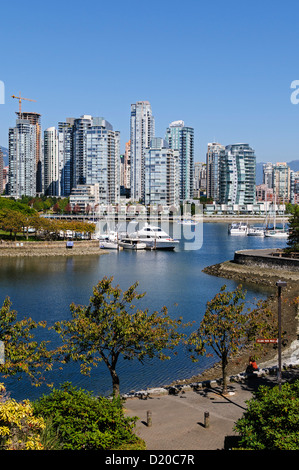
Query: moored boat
[
  {"x": 256, "y": 232},
  {"x": 132, "y": 244},
  {"x": 155, "y": 238},
  {"x": 238, "y": 228},
  {"x": 276, "y": 233}
]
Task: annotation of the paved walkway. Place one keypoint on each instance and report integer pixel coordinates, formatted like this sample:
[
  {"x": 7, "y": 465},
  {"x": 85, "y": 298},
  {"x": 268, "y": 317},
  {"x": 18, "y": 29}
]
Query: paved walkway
[{"x": 178, "y": 421}]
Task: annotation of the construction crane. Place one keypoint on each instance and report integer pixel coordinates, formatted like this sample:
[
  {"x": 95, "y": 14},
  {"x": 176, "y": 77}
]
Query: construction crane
[{"x": 20, "y": 98}]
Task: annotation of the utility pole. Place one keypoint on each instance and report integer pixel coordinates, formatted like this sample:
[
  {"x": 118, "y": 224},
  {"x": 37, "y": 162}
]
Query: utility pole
[{"x": 280, "y": 285}]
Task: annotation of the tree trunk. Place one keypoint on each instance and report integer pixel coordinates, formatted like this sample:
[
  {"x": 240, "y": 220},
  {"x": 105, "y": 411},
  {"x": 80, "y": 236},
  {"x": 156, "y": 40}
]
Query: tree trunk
[
  {"x": 224, "y": 375},
  {"x": 115, "y": 383}
]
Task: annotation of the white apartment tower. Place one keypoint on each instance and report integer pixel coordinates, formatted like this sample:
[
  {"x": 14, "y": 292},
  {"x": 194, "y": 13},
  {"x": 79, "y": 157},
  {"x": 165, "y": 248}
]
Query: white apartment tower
[
  {"x": 22, "y": 144},
  {"x": 161, "y": 174},
  {"x": 142, "y": 130},
  {"x": 96, "y": 154},
  {"x": 52, "y": 172},
  {"x": 181, "y": 138}
]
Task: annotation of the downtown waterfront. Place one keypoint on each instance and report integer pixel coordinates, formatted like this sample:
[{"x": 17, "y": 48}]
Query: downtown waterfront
[{"x": 44, "y": 287}]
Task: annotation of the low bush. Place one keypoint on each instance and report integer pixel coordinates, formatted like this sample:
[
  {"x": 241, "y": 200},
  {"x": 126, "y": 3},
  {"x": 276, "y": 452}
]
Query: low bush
[
  {"x": 271, "y": 421},
  {"x": 84, "y": 422}
]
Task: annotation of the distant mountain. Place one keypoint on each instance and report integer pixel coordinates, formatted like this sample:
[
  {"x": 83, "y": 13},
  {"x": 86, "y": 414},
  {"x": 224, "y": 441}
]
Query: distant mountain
[
  {"x": 5, "y": 155},
  {"x": 294, "y": 165}
]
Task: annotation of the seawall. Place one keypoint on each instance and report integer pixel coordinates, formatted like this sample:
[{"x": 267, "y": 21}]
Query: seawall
[
  {"x": 267, "y": 258},
  {"x": 50, "y": 248}
]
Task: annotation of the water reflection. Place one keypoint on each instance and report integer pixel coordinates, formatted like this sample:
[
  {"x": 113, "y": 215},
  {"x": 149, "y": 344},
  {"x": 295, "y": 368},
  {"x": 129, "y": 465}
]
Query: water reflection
[{"x": 44, "y": 288}]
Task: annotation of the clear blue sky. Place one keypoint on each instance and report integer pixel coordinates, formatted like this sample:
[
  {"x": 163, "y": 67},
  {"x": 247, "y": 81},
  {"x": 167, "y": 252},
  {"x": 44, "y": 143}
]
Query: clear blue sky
[{"x": 224, "y": 67}]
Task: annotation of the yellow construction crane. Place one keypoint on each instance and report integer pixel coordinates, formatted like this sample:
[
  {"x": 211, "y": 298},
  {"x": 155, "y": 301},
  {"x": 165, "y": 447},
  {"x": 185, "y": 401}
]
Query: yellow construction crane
[{"x": 20, "y": 98}]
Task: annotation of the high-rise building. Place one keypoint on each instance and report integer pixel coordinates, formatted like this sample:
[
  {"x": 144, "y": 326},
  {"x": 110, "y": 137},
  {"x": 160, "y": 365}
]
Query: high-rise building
[
  {"x": 161, "y": 174},
  {"x": 200, "y": 179},
  {"x": 65, "y": 150},
  {"x": 102, "y": 160},
  {"x": 212, "y": 159},
  {"x": 127, "y": 165},
  {"x": 35, "y": 120},
  {"x": 22, "y": 145},
  {"x": 268, "y": 174},
  {"x": 142, "y": 130},
  {"x": 282, "y": 182},
  {"x": 95, "y": 151},
  {"x": 237, "y": 172},
  {"x": 181, "y": 138},
  {"x": 52, "y": 174}
]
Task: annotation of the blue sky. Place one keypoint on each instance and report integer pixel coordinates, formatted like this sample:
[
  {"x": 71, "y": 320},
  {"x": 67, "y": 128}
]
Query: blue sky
[{"x": 224, "y": 67}]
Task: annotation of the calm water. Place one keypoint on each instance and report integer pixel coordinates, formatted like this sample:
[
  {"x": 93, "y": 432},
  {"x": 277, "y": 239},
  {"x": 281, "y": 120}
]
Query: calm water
[{"x": 43, "y": 288}]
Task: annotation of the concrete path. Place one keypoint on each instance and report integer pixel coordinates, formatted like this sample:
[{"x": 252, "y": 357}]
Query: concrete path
[{"x": 178, "y": 421}]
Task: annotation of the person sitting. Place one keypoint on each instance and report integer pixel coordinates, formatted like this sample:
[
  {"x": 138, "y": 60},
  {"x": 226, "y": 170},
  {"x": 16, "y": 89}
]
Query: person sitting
[{"x": 252, "y": 366}]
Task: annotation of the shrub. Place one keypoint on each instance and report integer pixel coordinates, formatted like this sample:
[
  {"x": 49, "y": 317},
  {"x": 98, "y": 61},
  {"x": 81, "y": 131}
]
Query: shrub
[
  {"x": 19, "y": 428},
  {"x": 271, "y": 421},
  {"x": 85, "y": 422}
]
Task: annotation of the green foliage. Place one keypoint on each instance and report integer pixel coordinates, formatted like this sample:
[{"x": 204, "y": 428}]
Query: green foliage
[
  {"x": 111, "y": 326},
  {"x": 84, "y": 422},
  {"x": 293, "y": 238},
  {"x": 11, "y": 204},
  {"x": 271, "y": 421},
  {"x": 226, "y": 327},
  {"x": 23, "y": 355}
]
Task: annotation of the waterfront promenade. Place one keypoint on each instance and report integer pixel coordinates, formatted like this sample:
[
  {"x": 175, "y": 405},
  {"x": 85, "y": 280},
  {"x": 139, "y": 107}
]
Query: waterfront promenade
[{"x": 178, "y": 422}]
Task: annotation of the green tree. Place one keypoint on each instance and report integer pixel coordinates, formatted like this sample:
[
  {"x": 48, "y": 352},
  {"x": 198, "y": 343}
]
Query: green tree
[
  {"x": 84, "y": 422},
  {"x": 271, "y": 421},
  {"x": 12, "y": 221},
  {"x": 293, "y": 238},
  {"x": 111, "y": 326},
  {"x": 23, "y": 355},
  {"x": 226, "y": 327},
  {"x": 20, "y": 206}
]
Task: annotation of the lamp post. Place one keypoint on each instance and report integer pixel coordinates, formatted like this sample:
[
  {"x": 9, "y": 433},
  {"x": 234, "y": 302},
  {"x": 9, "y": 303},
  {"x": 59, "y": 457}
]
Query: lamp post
[{"x": 280, "y": 285}]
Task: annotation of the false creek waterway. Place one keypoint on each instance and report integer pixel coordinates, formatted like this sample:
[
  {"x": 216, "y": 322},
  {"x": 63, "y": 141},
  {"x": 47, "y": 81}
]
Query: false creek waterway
[{"x": 44, "y": 287}]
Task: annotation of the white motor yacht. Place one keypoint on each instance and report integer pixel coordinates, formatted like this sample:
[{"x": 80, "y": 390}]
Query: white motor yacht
[
  {"x": 155, "y": 238},
  {"x": 238, "y": 228}
]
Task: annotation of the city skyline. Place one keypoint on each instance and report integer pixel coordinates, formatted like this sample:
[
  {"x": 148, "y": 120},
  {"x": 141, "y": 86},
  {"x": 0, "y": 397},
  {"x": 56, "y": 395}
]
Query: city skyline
[{"x": 224, "y": 69}]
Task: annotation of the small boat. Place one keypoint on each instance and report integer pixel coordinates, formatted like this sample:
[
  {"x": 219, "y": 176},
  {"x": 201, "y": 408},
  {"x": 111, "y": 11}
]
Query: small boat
[
  {"x": 109, "y": 241},
  {"x": 238, "y": 228},
  {"x": 108, "y": 244},
  {"x": 155, "y": 238},
  {"x": 256, "y": 232},
  {"x": 132, "y": 244},
  {"x": 276, "y": 233}
]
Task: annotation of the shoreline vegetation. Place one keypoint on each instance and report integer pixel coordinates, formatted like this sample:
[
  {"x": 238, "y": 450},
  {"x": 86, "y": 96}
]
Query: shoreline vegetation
[{"x": 265, "y": 278}]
